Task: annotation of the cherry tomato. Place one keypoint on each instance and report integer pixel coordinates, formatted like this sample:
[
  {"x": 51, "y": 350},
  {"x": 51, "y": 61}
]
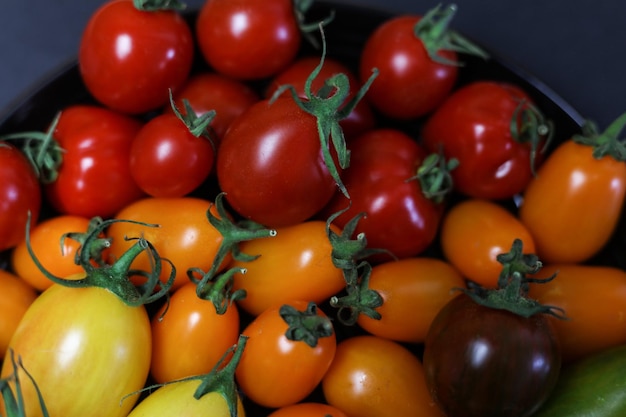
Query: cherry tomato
[
  {"x": 20, "y": 194},
  {"x": 248, "y": 39},
  {"x": 184, "y": 236},
  {"x": 308, "y": 409},
  {"x": 270, "y": 165},
  {"x": 275, "y": 371},
  {"x": 295, "y": 264},
  {"x": 413, "y": 292},
  {"x": 168, "y": 160},
  {"x": 129, "y": 58},
  {"x": 375, "y": 377},
  {"x": 594, "y": 300},
  {"x": 15, "y": 298},
  {"x": 474, "y": 232},
  {"x": 482, "y": 361},
  {"x": 94, "y": 178},
  {"x": 495, "y": 132},
  {"x": 189, "y": 337},
  {"x": 55, "y": 255}
]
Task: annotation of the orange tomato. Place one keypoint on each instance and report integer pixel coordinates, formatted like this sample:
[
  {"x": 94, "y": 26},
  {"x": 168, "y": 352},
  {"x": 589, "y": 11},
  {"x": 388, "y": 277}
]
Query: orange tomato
[
  {"x": 15, "y": 298},
  {"x": 56, "y": 257},
  {"x": 573, "y": 204},
  {"x": 413, "y": 292},
  {"x": 189, "y": 337},
  {"x": 295, "y": 264},
  {"x": 474, "y": 232},
  {"x": 308, "y": 409},
  {"x": 594, "y": 300},
  {"x": 184, "y": 236},
  {"x": 375, "y": 377},
  {"x": 275, "y": 371}
]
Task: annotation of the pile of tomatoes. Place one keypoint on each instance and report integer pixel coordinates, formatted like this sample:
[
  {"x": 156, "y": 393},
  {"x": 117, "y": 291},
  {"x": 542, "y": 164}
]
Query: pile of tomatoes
[{"x": 240, "y": 218}]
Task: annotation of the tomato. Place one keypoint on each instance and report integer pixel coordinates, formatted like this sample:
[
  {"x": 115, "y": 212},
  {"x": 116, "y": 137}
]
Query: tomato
[
  {"x": 275, "y": 370},
  {"x": 375, "y": 377},
  {"x": 296, "y": 264},
  {"x": 574, "y": 203},
  {"x": 55, "y": 254},
  {"x": 590, "y": 295},
  {"x": 168, "y": 160},
  {"x": 413, "y": 292},
  {"x": 482, "y": 361},
  {"x": 381, "y": 182},
  {"x": 94, "y": 178},
  {"x": 208, "y": 91},
  {"x": 360, "y": 119},
  {"x": 15, "y": 298},
  {"x": 184, "y": 235},
  {"x": 128, "y": 58},
  {"x": 495, "y": 132},
  {"x": 248, "y": 39},
  {"x": 20, "y": 194},
  {"x": 270, "y": 165},
  {"x": 308, "y": 409},
  {"x": 189, "y": 337},
  {"x": 474, "y": 232}
]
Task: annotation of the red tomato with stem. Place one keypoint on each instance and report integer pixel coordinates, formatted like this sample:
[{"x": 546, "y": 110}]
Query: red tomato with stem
[{"x": 129, "y": 58}]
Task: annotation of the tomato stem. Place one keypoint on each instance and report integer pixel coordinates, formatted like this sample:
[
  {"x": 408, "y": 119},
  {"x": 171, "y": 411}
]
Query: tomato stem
[
  {"x": 606, "y": 143},
  {"x": 528, "y": 125},
  {"x": 15, "y": 407},
  {"x": 434, "y": 176},
  {"x": 199, "y": 126},
  {"x": 156, "y": 5},
  {"x": 306, "y": 326},
  {"x": 360, "y": 299},
  {"x": 301, "y": 8}
]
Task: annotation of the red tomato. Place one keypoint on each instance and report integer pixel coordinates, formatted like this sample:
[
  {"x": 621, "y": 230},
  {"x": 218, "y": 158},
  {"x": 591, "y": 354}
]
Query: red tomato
[
  {"x": 275, "y": 371},
  {"x": 15, "y": 298},
  {"x": 399, "y": 216},
  {"x": 308, "y": 409},
  {"x": 20, "y": 193},
  {"x": 270, "y": 165},
  {"x": 360, "y": 119},
  {"x": 129, "y": 58},
  {"x": 248, "y": 39},
  {"x": 475, "y": 126},
  {"x": 167, "y": 160},
  {"x": 94, "y": 178}
]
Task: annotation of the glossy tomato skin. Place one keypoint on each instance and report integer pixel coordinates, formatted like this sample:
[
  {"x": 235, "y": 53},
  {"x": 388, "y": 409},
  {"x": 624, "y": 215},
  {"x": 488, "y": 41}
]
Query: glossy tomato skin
[
  {"x": 167, "y": 160},
  {"x": 106, "y": 347},
  {"x": 189, "y": 337},
  {"x": 487, "y": 362},
  {"x": 15, "y": 298},
  {"x": 574, "y": 203},
  {"x": 294, "y": 264},
  {"x": 94, "y": 178},
  {"x": 308, "y": 409},
  {"x": 20, "y": 193},
  {"x": 409, "y": 84},
  {"x": 399, "y": 217},
  {"x": 275, "y": 371},
  {"x": 413, "y": 291},
  {"x": 376, "y": 377},
  {"x": 474, "y": 232},
  {"x": 129, "y": 58},
  {"x": 247, "y": 39},
  {"x": 270, "y": 165}
]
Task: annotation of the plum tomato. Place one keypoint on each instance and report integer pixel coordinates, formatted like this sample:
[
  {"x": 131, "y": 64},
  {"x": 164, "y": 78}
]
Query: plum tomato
[{"x": 15, "y": 298}]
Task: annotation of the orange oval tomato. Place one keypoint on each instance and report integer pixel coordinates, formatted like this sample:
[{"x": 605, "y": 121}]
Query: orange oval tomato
[
  {"x": 15, "y": 298},
  {"x": 184, "y": 236},
  {"x": 375, "y": 377},
  {"x": 295, "y": 264},
  {"x": 474, "y": 232},
  {"x": 275, "y": 371},
  {"x": 308, "y": 409},
  {"x": 56, "y": 256},
  {"x": 594, "y": 300},
  {"x": 573, "y": 204},
  {"x": 413, "y": 292},
  {"x": 189, "y": 337}
]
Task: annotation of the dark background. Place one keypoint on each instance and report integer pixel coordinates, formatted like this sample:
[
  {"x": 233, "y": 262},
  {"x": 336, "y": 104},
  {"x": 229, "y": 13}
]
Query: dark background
[{"x": 577, "y": 47}]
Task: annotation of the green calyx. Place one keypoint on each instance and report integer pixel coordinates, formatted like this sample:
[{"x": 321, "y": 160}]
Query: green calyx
[
  {"x": 513, "y": 285},
  {"x": 434, "y": 176},
  {"x": 113, "y": 277},
  {"x": 198, "y": 126},
  {"x": 605, "y": 143},
  {"x": 528, "y": 125},
  {"x": 329, "y": 107},
  {"x": 14, "y": 401},
  {"x": 434, "y": 32},
  {"x": 306, "y": 326},
  {"x": 359, "y": 298},
  {"x": 156, "y": 5}
]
